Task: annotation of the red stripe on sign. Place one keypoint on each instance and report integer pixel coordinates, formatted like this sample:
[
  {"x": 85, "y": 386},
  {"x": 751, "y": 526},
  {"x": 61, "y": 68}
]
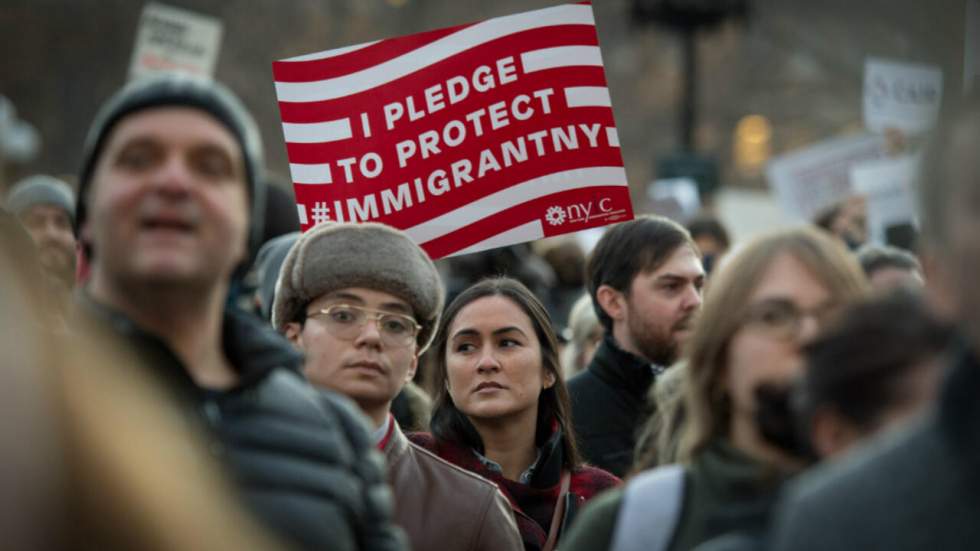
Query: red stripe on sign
[
  {"x": 454, "y": 197},
  {"x": 556, "y": 81},
  {"x": 525, "y": 212},
  {"x": 439, "y": 70},
  {"x": 319, "y": 69}
]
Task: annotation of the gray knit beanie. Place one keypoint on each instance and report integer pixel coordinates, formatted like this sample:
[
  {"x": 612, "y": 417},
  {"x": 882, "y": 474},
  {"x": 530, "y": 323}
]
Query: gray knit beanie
[
  {"x": 40, "y": 190},
  {"x": 333, "y": 256},
  {"x": 177, "y": 89}
]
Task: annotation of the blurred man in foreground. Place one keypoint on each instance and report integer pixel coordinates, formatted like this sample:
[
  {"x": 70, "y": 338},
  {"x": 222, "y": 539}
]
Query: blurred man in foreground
[
  {"x": 921, "y": 489},
  {"x": 169, "y": 208}
]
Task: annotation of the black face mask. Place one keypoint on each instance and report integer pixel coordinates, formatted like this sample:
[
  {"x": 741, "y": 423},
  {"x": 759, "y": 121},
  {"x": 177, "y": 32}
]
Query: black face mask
[{"x": 777, "y": 422}]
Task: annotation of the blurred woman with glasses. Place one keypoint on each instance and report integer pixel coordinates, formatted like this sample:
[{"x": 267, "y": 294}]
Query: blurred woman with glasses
[
  {"x": 502, "y": 411},
  {"x": 738, "y": 444}
]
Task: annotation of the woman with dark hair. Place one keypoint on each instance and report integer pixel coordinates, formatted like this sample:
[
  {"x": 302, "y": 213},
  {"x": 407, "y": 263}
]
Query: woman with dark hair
[{"x": 501, "y": 408}]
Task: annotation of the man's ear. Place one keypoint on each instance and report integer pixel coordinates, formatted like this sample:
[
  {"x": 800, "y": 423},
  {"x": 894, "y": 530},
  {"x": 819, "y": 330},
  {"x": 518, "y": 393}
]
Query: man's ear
[
  {"x": 612, "y": 302},
  {"x": 294, "y": 333}
]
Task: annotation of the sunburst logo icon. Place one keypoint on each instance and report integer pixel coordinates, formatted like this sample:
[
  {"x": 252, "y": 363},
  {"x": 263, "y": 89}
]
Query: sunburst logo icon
[{"x": 555, "y": 216}]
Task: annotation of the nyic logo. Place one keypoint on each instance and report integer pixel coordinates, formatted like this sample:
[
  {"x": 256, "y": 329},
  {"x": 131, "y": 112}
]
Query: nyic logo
[{"x": 583, "y": 213}]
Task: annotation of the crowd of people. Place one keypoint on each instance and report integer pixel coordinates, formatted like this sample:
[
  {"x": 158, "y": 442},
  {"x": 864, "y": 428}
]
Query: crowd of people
[{"x": 184, "y": 369}]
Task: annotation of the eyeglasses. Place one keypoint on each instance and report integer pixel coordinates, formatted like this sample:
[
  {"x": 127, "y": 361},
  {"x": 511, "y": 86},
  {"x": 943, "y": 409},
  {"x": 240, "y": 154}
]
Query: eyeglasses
[
  {"x": 345, "y": 321},
  {"x": 783, "y": 319}
]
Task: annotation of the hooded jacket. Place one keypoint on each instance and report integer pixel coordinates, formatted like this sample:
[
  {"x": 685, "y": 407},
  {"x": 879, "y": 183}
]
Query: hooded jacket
[{"x": 302, "y": 459}]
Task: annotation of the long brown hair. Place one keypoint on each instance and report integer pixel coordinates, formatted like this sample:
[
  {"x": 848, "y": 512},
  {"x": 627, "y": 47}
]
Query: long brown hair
[
  {"x": 706, "y": 400},
  {"x": 448, "y": 423}
]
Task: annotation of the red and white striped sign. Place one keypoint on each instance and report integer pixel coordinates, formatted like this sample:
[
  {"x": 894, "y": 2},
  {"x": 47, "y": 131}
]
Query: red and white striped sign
[{"x": 466, "y": 138}]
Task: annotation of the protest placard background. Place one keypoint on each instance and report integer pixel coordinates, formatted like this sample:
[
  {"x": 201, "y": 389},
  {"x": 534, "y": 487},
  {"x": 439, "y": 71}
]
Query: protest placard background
[
  {"x": 809, "y": 180},
  {"x": 467, "y": 138},
  {"x": 175, "y": 39}
]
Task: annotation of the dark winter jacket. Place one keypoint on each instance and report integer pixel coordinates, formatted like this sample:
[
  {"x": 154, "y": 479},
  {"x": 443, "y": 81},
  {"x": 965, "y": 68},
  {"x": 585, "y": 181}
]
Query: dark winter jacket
[
  {"x": 609, "y": 406},
  {"x": 533, "y": 502},
  {"x": 302, "y": 459},
  {"x": 917, "y": 489}
]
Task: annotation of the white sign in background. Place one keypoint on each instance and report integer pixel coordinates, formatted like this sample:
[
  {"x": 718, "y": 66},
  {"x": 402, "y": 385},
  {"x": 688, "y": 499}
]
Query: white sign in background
[
  {"x": 888, "y": 186},
  {"x": 902, "y": 96},
  {"x": 675, "y": 198},
  {"x": 807, "y": 181},
  {"x": 173, "y": 39}
]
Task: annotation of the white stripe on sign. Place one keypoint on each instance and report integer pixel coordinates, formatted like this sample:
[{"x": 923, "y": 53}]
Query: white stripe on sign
[
  {"x": 562, "y": 56},
  {"x": 525, "y": 232},
  {"x": 310, "y": 174},
  {"x": 442, "y": 49},
  {"x": 301, "y": 210},
  {"x": 588, "y": 96},
  {"x": 515, "y": 195},
  {"x": 317, "y": 132},
  {"x": 326, "y": 54},
  {"x": 612, "y": 136}
]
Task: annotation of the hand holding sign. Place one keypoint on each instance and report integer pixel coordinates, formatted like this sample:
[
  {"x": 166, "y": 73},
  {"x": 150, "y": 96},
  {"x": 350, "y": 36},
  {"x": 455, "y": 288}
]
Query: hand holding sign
[{"x": 467, "y": 138}]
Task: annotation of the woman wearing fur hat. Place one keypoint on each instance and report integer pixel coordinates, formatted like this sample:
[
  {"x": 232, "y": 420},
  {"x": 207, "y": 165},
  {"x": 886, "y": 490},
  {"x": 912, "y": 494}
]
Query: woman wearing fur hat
[{"x": 502, "y": 411}]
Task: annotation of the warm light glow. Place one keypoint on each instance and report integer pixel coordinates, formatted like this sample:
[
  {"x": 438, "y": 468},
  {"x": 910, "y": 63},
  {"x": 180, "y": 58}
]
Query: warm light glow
[{"x": 752, "y": 144}]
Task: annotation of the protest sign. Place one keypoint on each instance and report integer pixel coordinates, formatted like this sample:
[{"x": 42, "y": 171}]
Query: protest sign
[
  {"x": 675, "y": 198},
  {"x": 466, "y": 138},
  {"x": 903, "y": 96},
  {"x": 807, "y": 181},
  {"x": 174, "y": 39},
  {"x": 887, "y": 185}
]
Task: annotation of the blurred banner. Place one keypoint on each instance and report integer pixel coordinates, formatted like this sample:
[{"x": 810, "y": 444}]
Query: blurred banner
[
  {"x": 887, "y": 186},
  {"x": 174, "y": 39},
  {"x": 468, "y": 138},
  {"x": 809, "y": 180},
  {"x": 901, "y": 96}
]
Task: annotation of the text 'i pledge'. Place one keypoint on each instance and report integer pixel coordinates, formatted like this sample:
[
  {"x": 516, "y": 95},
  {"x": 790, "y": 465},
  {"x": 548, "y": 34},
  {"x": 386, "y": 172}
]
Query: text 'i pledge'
[{"x": 436, "y": 97}]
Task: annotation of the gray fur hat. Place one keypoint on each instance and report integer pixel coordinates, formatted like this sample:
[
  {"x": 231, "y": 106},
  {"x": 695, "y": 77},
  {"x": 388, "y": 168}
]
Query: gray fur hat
[
  {"x": 40, "y": 189},
  {"x": 333, "y": 256}
]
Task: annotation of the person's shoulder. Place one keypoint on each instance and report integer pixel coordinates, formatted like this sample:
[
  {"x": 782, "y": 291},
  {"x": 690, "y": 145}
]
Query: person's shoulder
[
  {"x": 424, "y": 440},
  {"x": 594, "y": 526},
  {"x": 891, "y": 458},
  {"x": 853, "y": 500},
  {"x": 462, "y": 478},
  {"x": 588, "y": 481}
]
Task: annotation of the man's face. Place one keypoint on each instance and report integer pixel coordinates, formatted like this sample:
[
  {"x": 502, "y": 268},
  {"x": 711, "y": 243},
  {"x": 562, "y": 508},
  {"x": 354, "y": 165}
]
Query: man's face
[
  {"x": 50, "y": 228},
  {"x": 363, "y": 365},
  {"x": 660, "y": 307},
  {"x": 168, "y": 202}
]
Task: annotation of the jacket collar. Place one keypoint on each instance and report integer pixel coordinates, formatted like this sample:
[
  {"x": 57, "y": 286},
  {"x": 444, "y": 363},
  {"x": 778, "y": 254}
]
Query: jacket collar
[
  {"x": 621, "y": 369},
  {"x": 252, "y": 348},
  {"x": 397, "y": 445}
]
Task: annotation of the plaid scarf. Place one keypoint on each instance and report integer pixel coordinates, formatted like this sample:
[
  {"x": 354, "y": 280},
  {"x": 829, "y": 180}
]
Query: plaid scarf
[{"x": 533, "y": 503}]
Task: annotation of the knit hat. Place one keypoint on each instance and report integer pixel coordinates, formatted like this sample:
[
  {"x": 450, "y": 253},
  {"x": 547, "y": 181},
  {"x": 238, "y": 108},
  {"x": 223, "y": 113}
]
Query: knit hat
[
  {"x": 333, "y": 256},
  {"x": 177, "y": 89},
  {"x": 40, "y": 190},
  {"x": 268, "y": 262}
]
